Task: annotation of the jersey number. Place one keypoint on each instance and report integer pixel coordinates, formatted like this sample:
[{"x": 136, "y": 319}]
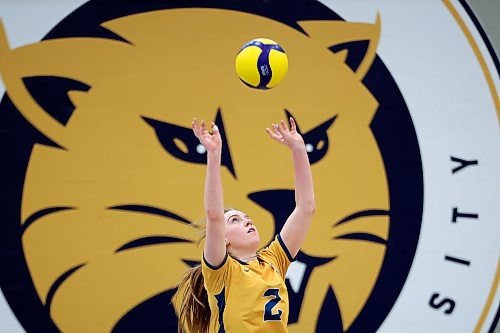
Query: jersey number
[{"x": 268, "y": 309}]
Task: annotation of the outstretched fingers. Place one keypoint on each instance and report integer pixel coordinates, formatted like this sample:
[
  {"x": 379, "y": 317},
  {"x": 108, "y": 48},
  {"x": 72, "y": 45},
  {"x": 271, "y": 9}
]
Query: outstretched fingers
[
  {"x": 196, "y": 127},
  {"x": 201, "y": 130},
  {"x": 204, "y": 130},
  {"x": 275, "y": 133},
  {"x": 283, "y": 130},
  {"x": 293, "y": 126},
  {"x": 270, "y": 133},
  {"x": 283, "y": 126}
]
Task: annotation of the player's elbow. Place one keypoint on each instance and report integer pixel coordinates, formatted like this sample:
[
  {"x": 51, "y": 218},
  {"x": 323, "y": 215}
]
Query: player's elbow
[
  {"x": 312, "y": 207},
  {"x": 214, "y": 215},
  {"x": 308, "y": 207}
]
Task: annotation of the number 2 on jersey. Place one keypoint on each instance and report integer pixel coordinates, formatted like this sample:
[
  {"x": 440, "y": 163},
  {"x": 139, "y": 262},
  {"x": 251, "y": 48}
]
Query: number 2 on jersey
[{"x": 268, "y": 309}]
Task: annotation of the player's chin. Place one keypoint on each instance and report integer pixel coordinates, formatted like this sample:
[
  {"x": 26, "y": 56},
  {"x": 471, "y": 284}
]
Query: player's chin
[{"x": 254, "y": 235}]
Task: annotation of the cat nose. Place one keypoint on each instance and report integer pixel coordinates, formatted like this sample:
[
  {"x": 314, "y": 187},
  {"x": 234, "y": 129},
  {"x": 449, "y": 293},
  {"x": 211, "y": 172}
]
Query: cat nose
[{"x": 280, "y": 203}]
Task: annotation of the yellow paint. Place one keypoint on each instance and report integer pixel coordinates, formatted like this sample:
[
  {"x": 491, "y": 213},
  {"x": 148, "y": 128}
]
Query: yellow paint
[{"x": 181, "y": 145}]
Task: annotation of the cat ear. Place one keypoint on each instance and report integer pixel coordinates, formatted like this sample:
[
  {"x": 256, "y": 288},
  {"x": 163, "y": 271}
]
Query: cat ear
[
  {"x": 21, "y": 98},
  {"x": 77, "y": 59},
  {"x": 349, "y": 41}
]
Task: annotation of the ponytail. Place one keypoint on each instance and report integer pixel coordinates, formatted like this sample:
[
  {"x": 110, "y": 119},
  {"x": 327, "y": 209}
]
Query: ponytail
[{"x": 194, "y": 311}]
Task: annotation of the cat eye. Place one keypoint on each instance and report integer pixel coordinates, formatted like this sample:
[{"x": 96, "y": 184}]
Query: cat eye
[
  {"x": 316, "y": 140},
  {"x": 181, "y": 143}
]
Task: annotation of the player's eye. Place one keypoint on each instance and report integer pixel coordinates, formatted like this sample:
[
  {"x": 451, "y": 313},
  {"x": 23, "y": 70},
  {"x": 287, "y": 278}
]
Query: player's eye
[
  {"x": 181, "y": 143},
  {"x": 316, "y": 139}
]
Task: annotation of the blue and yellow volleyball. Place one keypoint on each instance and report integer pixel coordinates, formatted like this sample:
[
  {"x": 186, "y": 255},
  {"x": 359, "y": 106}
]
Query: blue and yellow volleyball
[{"x": 261, "y": 63}]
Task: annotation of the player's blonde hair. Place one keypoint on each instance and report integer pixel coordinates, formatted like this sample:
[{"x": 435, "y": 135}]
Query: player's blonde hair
[{"x": 194, "y": 310}]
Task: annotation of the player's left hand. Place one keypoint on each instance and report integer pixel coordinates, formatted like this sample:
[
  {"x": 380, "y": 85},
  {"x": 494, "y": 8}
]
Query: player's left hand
[{"x": 289, "y": 137}]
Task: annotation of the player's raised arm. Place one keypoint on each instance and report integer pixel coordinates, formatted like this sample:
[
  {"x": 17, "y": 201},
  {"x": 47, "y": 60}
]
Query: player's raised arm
[
  {"x": 297, "y": 224},
  {"x": 215, "y": 249}
]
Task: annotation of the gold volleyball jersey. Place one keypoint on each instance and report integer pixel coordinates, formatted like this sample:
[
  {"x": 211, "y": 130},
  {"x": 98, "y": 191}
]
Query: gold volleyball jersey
[{"x": 249, "y": 297}]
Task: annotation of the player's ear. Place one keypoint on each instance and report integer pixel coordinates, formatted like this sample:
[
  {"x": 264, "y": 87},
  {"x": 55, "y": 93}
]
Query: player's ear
[{"x": 354, "y": 43}]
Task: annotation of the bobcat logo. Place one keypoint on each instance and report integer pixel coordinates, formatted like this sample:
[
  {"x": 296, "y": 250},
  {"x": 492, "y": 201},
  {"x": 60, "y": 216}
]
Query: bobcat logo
[{"x": 109, "y": 200}]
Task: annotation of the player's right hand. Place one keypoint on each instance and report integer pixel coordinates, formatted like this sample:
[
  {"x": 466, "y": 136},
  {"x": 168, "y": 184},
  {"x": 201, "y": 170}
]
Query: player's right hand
[{"x": 211, "y": 142}]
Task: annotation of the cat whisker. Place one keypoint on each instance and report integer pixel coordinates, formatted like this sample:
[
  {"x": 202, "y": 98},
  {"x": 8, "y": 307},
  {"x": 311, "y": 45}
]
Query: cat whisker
[
  {"x": 363, "y": 213},
  {"x": 41, "y": 213}
]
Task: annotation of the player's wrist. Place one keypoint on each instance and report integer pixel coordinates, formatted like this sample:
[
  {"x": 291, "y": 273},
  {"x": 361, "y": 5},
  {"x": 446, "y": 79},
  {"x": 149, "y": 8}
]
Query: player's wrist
[
  {"x": 298, "y": 148},
  {"x": 214, "y": 156},
  {"x": 217, "y": 151}
]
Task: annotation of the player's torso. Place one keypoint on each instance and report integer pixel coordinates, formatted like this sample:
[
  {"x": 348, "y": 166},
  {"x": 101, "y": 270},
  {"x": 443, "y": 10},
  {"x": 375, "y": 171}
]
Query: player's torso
[{"x": 256, "y": 300}]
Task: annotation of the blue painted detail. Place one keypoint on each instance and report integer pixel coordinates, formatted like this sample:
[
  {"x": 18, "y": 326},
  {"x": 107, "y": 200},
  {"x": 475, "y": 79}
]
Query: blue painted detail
[
  {"x": 51, "y": 93},
  {"x": 41, "y": 213},
  {"x": 221, "y": 304},
  {"x": 356, "y": 52},
  {"x": 166, "y": 134},
  {"x": 152, "y": 240},
  {"x": 264, "y": 67},
  {"x": 268, "y": 309},
  {"x": 363, "y": 213},
  {"x": 150, "y": 210},
  {"x": 363, "y": 237},
  {"x": 144, "y": 317},
  {"x": 58, "y": 282},
  {"x": 191, "y": 263}
]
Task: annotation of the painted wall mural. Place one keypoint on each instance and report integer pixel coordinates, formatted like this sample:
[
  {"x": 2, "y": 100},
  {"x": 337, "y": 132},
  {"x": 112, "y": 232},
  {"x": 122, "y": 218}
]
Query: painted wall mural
[{"x": 102, "y": 179}]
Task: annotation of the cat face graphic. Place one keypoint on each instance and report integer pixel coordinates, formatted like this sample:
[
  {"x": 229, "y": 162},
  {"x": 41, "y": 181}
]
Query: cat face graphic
[{"x": 108, "y": 210}]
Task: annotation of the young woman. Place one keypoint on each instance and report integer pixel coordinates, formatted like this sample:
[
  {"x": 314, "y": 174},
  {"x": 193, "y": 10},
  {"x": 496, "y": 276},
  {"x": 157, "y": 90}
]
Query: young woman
[{"x": 238, "y": 289}]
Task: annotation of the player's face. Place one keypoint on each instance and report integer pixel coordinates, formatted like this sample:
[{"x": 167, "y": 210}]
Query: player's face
[{"x": 241, "y": 233}]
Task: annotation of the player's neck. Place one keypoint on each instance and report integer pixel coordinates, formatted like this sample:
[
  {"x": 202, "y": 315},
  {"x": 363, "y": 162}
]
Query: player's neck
[
  {"x": 248, "y": 259},
  {"x": 245, "y": 256}
]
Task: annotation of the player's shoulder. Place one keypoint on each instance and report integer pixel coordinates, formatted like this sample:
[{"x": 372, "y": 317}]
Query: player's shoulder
[{"x": 277, "y": 248}]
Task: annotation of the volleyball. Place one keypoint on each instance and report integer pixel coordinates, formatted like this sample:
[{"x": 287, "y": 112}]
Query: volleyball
[{"x": 261, "y": 63}]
